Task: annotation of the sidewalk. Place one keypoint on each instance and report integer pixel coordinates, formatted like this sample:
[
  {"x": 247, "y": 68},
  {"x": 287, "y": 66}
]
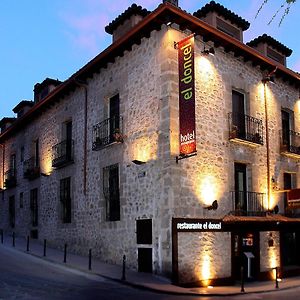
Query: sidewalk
[{"x": 136, "y": 279}]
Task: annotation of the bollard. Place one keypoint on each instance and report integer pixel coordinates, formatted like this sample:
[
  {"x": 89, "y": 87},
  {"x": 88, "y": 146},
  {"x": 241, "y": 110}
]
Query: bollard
[
  {"x": 242, "y": 280},
  {"x": 45, "y": 242},
  {"x": 65, "y": 254},
  {"x": 123, "y": 269},
  {"x": 13, "y": 240},
  {"x": 90, "y": 259},
  {"x": 276, "y": 278},
  {"x": 27, "y": 247},
  {"x": 2, "y": 236}
]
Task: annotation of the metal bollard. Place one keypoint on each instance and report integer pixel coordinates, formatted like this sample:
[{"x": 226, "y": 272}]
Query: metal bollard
[
  {"x": 65, "y": 254},
  {"x": 45, "y": 243},
  {"x": 242, "y": 280},
  {"x": 2, "y": 236},
  {"x": 124, "y": 267},
  {"x": 27, "y": 246},
  {"x": 90, "y": 259},
  {"x": 13, "y": 240},
  {"x": 276, "y": 278}
]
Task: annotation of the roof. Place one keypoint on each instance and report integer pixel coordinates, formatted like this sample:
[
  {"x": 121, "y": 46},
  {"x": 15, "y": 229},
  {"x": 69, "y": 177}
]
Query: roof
[
  {"x": 130, "y": 11},
  {"x": 22, "y": 104},
  {"x": 163, "y": 13},
  {"x": 272, "y": 42},
  {"x": 224, "y": 12},
  {"x": 6, "y": 120}
]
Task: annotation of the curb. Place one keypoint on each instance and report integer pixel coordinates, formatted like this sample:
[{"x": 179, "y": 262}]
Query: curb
[{"x": 144, "y": 287}]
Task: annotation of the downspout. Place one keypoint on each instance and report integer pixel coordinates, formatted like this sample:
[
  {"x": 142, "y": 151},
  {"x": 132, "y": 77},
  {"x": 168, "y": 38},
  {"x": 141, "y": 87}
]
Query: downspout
[
  {"x": 83, "y": 84},
  {"x": 3, "y": 167}
]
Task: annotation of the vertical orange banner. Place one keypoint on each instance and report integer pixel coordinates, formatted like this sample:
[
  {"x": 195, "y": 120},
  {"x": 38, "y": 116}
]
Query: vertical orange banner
[{"x": 187, "y": 119}]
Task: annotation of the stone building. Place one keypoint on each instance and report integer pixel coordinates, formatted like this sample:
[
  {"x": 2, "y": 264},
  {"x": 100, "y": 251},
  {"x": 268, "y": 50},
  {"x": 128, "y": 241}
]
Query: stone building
[{"x": 94, "y": 161}]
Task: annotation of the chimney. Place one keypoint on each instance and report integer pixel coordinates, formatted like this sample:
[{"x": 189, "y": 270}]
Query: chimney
[
  {"x": 173, "y": 2},
  {"x": 41, "y": 90}
]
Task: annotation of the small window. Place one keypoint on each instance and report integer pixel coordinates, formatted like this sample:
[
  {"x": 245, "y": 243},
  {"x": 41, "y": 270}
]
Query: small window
[
  {"x": 22, "y": 154},
  {"x": 228, "y": 28},
  {"x": 144, "y": 231},
  {"x": 111, "y": 192},
  {"x": 21, "y": 200},
  {"x": 65, "y": 199}
]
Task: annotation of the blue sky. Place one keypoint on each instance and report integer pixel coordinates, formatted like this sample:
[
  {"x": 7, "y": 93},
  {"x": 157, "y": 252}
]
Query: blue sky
[{"x": 54, "y": 38}]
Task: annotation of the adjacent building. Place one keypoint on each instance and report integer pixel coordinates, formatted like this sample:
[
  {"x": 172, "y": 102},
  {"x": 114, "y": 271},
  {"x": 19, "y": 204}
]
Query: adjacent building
[{"x": 102, "y": 160}]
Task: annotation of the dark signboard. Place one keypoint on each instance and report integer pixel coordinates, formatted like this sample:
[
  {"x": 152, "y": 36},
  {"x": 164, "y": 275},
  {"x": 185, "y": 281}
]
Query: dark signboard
[{"x": 187, "y": 128}]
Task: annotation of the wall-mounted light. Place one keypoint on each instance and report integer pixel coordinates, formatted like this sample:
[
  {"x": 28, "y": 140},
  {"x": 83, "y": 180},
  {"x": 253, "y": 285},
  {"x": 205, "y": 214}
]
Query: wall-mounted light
[
  {"x": 138, "y": 162},
  {"x": 270, "y": 77},
  {"x": 213, "y": 206},
  {"x": 45, "y": 175},
  {"x": 210, "y": 51}
]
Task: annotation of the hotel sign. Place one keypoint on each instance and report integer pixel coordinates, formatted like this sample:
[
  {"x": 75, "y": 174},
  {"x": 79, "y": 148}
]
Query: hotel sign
[{"x": 187, "y": 128}]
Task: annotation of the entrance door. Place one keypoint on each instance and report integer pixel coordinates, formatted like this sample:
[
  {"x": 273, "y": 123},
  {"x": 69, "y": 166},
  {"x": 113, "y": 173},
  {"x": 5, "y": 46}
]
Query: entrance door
[
  {"x": 145, "y": 260},
  {"x": 238, "y": 113},
  {"x": 240, "y": 184},
  {"x": 245, "y": 253}
]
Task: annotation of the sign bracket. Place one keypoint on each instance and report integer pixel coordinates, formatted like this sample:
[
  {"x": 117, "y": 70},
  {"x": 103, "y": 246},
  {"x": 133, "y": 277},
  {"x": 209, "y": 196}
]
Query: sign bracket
[{"x": 184, "y": 156}]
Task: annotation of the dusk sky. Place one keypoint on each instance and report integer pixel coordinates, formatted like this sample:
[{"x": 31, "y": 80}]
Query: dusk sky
[{"x": 54, "y": 38}]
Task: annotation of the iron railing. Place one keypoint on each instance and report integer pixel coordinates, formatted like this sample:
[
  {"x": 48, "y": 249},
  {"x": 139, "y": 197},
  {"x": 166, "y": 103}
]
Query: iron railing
[
  {"x": 248, "y": 203},
  {"x": 246, "y": 128},
  {"x": 63, "y": 153},
  {"x": 290, "y": 142},
  {"x": 10, "y": 178},
  {"x": 31, "y": 169},
  {"x": 107, "y": 132}
]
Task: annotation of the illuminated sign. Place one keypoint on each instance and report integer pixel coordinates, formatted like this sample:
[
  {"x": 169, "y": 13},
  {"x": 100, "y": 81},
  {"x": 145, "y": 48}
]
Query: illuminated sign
[
  {"x": 187, "y": 120},
  {"x": 199, "y": 225}
]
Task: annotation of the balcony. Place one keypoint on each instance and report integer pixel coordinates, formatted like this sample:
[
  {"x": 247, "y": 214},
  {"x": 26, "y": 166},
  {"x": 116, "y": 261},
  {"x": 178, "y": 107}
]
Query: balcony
[
  {"x": 30, "y": 169},
  {"x": 107, "y": 132},
  {"x": 10, "y": 178},
  {"x": 245, "y": 129},
  {"x": 248, "y": 203},
  {"x": 290, "y": 143},
  {"x": 63, "y": 154}
]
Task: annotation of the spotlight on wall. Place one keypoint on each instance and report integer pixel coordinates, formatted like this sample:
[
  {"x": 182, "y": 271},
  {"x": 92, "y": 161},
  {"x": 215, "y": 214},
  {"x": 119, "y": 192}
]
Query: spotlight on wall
[
  {"x": 210, "y": 51},
  {"x": 138, "y": 162},
  {"x": 270, "y": 77},
  {"x": 213, "y": 206}
]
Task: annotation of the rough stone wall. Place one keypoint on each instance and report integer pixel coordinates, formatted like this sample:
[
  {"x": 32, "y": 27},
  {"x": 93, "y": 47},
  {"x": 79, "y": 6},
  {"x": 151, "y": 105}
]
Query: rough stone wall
[{"x": 203, "y": 256}]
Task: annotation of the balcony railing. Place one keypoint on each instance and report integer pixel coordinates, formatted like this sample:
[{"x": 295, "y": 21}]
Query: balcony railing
[
  {"x": 245, "y": 128},
  {"x": 63, "y": 153},
  {"x": 31, "y": 169},
  {"x": 107, "y": 132},
  {"x": 290, "y": 143},
  {"x": 248, "y": 203},
  {"x": 10, "y": 178}
]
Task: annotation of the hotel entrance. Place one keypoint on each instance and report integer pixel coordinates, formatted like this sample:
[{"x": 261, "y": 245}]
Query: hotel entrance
[{"x": 245, "y": 253}]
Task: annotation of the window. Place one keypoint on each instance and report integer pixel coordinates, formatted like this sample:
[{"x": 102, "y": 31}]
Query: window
[
  {"x": 240, "y": 186},
  {"x": 111, "y": 192},
  {"x": 34, "y": 207},
  {"x": 13, "y": 163},
  {"x": 144, "y": 231},
  {"x": 65, "y": 199},
  {"x": 114, "y": 116},
  {"x": 286, "y": 120},
  {"x": 228, "y": 28},
  {"x": 36, "y": 153},
  {"x": 22, "y": 154},
  {"x": 11, "y": 208},
  {"x": 21, "y": 200},
  {"x": 289, "y": 182}
]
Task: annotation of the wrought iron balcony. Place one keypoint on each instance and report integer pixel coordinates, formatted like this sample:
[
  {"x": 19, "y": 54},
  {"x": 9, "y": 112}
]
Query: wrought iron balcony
[
  {"x": 290, "y": 143},
  {"x": 248, "y": 203},
  {"x": 10, "y": 178},
  {"x": 245, "y": 129},
  {"x": 107, "y": 132},
  {"x": 63, "y": 154},
  {"x": 31, "y": 169}
]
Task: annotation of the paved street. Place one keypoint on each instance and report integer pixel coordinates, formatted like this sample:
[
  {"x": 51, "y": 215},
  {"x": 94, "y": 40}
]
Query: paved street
[{"x": 23, "y": 276}]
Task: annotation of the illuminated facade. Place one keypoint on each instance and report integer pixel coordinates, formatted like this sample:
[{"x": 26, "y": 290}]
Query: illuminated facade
[{"x": 94, "y": 161}]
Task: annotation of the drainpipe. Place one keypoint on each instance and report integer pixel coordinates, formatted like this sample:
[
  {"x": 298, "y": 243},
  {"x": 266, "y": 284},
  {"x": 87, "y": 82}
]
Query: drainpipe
[
  {"x": 83, "y": 84},
  {"x": 3, "y": 159},
  {"x": 267, "y": 146},
  {"x": 264, "y": 81}
]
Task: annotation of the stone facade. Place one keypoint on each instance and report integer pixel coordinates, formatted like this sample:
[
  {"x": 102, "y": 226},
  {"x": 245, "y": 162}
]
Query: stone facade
[{"x": 146, "y": 79}]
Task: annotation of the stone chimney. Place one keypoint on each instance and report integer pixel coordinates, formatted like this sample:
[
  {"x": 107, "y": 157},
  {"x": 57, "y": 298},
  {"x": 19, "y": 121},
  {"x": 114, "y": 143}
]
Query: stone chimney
[
  {"x": 23, "y": 107},
  {"x": 126, "y": 21},
  {"x": 174, "y": 2},
  {"x": 41, "y": 90}
]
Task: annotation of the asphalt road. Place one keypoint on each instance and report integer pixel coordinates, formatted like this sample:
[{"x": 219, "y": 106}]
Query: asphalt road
[{"x": 23, "y": 276}]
